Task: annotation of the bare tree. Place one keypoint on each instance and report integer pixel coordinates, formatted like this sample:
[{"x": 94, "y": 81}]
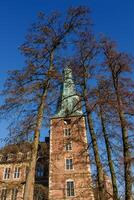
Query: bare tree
[
  {"x": 119, "y": 65},
  {"x": 104, "y": 105},
  {"x": 26, "y": 90},
  {"x": 87, "y": 49}
]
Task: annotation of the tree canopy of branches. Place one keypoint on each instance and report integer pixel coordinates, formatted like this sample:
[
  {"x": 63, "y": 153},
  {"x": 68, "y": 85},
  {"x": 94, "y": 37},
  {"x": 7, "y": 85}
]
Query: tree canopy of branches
[
  {"x": 106, "y": 88},
  {"x": 103, "y": 78},
  {"x": 26, "y": 90}
]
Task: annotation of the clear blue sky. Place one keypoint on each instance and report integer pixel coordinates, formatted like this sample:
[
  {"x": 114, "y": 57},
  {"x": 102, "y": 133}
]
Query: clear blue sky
[{"x": 114, "y": 18}]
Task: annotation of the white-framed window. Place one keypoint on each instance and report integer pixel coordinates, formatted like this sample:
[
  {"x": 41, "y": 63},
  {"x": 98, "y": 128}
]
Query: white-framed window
[
  {"x": 67, "y": 131},
  {"x": 68, "y": 146},
  {"x": 69, "y": 163},
  {"x": 14, "y": 194},
  {"x": 70, "y": 188},
  {"x": 4, "y": 194},
  {"x": 16, "y": 172},
  {"x": 7, "y": 172}
]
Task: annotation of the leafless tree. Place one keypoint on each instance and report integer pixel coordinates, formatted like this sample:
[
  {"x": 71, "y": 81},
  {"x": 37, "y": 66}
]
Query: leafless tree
[{"x": 26, "y": 90}]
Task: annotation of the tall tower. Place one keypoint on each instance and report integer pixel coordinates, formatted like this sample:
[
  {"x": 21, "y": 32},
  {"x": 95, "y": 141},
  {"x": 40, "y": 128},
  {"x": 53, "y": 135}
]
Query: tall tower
[{"x": 69, "y": 168}]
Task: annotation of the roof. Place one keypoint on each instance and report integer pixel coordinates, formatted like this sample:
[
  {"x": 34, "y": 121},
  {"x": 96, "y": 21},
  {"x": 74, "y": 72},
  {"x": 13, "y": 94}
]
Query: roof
[{"x": 70, "y": 102}]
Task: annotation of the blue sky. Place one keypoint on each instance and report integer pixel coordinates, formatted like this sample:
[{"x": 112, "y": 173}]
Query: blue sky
[{"x": 114, "y": 18}]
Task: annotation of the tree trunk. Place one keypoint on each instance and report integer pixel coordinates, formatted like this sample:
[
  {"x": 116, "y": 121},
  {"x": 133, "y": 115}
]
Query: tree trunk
[
  {"x": 126, "y": 149},
  {"x": 100, "y": 178},
  {"x": 30, "y": 179},
  {"x": 110, "y": 162}
]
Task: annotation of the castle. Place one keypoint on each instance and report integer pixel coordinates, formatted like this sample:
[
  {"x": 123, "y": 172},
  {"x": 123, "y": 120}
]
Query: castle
[
  {"x": 69, "y": 175},
  {"x": 69, "y": 168}
]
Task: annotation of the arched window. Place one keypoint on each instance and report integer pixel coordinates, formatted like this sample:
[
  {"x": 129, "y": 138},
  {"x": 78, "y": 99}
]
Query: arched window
[
  {"x": 70, "y": 188},
  {"x": 10, "y": 157}
]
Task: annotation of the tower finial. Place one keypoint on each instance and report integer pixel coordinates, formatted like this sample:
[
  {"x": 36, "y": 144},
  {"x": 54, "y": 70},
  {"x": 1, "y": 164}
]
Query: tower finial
[{"x": 70, "y": 102}]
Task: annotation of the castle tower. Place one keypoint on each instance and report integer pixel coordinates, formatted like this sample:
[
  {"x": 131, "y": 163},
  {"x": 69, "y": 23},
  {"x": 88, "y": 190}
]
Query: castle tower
[{"x": 69, "y": 169}]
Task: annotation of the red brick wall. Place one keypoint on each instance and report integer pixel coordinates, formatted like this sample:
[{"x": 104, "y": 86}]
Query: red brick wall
[
  {"x": 12, "y": 182},
  {"x": 81, "y": 172}
]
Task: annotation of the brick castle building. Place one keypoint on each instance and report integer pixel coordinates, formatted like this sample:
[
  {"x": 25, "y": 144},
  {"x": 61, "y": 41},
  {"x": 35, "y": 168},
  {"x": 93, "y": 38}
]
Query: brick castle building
[
  {"x": 14, "y": 164},
  {"x": 69, "y": 167},
  {"x": 69, "y": 175}
]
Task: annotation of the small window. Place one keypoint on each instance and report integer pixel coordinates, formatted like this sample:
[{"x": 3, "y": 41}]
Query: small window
[
  {"x": 4, "y": 193},
  {"x": 67, "y": 131},
  {"x": 40, "y": 171},
  {"x": 7, "y": 172},
  {"x": 70, "y": 188},
  {"x": 68, "y": 146},
  {"x": 14, "y": 194},
  {"x": 17, "y": 172},
  {"x": 67, "y": 121},
  {"x": 69, "y": 163}
]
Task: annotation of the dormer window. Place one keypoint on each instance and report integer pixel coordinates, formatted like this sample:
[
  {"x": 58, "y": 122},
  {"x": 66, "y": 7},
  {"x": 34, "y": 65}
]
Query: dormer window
[
  {"x": 67, "y": 131},
  {"x": 10, "y": 157}
]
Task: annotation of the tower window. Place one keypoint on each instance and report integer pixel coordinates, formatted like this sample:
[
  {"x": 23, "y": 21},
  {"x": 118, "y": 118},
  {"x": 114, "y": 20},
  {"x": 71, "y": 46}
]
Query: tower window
[
  {"x": 67, "y": 121},
  {"x": 68, "y": 146},
  {"x": 7, "y": 173},
  {"x": 17, "y": 172},
  {"x": 70, "y": 188},
  {"x": 14, "y": 194},
  {"x": 69, "y": 163},
  {"x": 67, "y": 131}
]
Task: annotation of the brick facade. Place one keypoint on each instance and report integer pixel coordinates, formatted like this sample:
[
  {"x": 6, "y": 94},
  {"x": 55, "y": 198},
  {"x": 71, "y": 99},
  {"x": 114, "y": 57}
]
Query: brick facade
[
  {"x": 13, "y": 175},
  {"x": 13, "y": 171},
  {"x": 80, "y": 173}
]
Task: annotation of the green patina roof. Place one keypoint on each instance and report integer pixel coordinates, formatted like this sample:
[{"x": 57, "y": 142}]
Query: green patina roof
[{"x": 70, "y": 103}]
